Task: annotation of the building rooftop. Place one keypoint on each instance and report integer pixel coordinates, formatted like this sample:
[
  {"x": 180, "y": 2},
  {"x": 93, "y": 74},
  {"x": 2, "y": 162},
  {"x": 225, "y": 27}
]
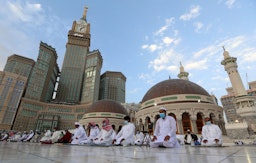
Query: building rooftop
[{"x": 174, "y": 87}]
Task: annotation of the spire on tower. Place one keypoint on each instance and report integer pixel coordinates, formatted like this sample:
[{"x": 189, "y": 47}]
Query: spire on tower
[
  {"x": 225, "y": 53},
  {"x": 181, "y": 67},
  {"x": 183, "y": 75},
  {"x": 85, "y": 12}
]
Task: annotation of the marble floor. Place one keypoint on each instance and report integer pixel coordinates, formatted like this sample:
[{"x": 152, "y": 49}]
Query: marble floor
[{"x": 18, "y": 152}]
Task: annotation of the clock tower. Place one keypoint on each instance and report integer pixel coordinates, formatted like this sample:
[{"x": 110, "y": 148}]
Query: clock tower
[{"x": 73, "y": 67}]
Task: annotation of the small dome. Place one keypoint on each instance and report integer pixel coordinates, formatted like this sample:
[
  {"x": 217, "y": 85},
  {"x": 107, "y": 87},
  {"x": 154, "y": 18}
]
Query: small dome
[
  {"x": 106, "y": 106},
  {"x": 173, "y": 87}
]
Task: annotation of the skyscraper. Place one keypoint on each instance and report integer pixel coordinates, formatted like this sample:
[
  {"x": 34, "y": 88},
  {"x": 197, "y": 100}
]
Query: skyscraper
[
  {"x": 76, "y": 86},
  {"x": 73, "y": 70},
  {"x": 19, "y": 65},
  {"x": 44, "y": 74},
  {"x": 112, "y": 86},
  {"x": 11, "y": 89}
]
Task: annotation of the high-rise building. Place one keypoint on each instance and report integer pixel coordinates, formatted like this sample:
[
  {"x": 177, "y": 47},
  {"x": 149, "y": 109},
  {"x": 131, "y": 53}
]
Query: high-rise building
[
  {"x": 11, "y": 89},
  {"x": 90, "y": 92},
  {"x": 112, "y": 86},
  {"x": 19, "y": 65},
  {"x": 44, "y": 74},
  {"x": 73, "y": 68},
  {"x": 76, "y": 87}
]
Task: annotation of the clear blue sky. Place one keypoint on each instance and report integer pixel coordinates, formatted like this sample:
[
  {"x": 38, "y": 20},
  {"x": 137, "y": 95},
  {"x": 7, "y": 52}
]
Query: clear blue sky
[{"x": 143, "y": 39}]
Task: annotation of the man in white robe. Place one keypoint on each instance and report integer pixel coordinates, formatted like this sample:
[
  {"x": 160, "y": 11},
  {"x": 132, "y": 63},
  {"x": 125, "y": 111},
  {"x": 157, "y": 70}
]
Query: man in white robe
[
  {"x": 47, "y": 135},
  {"x": 125, "y": 137},
  {"x": 106, "y": 134},
  {"x": 30, "y": 135},
  {"x": 165, "y": 131},
  {"x": 139, "y": 138},
  {"x": 94, "y": 131},
  {"x": 4, "y": 136},
  {"x": 79, "y": 134},
  {"x": 211, "y": 133},
  {"x": 23, "y": 136}
]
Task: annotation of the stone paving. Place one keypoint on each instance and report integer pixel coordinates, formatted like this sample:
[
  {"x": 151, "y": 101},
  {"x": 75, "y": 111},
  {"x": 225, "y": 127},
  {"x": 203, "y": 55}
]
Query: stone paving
[{"x": 20, "y": 152}]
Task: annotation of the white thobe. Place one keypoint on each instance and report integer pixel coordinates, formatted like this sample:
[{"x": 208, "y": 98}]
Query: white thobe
[
  {"x": 23, "y": 137},
  {"x": 79, "y": 135},
  {"x": 126, "y": 133},
  {"x": 139, "y": 138},
  {"x": 4, "y": 137},
  {"x": 94, "y": 131},
  {"x": 105, "y": 137},
  {"x": 165, "y": 127},
  {"x": 47, "y": 136},
  {"x": 30, "y": 136},
  {"x": 55, "y": 136},
  {"x": 210, "y": 133}
]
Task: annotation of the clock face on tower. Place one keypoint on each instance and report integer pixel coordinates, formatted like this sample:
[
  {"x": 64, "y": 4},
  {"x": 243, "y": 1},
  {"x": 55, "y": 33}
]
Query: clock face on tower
[{"x": 80, "y": 28}]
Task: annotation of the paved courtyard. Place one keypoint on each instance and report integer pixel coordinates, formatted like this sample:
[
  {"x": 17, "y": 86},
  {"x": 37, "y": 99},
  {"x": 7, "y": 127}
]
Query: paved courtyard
[{"x": 18, "y": 152}]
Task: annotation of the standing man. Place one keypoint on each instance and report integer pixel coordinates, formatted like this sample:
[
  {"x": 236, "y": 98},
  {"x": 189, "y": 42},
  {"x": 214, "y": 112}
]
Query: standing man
[
  {"x": 126, "y": 135},
  {"x": 212, "y": 135},
  {"x": 79, "y": 134},
  {"x": 165, "y": 131}
]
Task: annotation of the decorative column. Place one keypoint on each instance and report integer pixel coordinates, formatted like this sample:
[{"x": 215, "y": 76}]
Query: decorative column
[
  {"x": 179, "y": 125},
  {"x": 193, "y": 123}
]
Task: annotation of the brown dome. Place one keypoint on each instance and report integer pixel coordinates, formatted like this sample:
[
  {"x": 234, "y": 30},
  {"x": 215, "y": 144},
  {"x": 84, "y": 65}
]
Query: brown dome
[
  {"x": 174, "y": 87},
  {"x": 106, "y": 106}
]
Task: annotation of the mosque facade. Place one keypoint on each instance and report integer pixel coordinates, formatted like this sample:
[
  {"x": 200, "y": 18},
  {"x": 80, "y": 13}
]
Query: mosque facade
[{"x": 186, "y": 101}]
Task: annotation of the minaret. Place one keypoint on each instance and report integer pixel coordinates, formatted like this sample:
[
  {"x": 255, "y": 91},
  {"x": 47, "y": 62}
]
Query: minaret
[
  {"x": 234, "y": 76},
  {"x": 244, "y": 104},
  {"x": 183, "y": 75}
]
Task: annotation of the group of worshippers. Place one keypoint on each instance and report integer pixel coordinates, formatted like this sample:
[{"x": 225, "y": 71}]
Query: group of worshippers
[
  {"x": 211, "y": 135},
  {"x": 106, "y": 136},
  {"x": 18, "y": 136},
  {"x": 164, "y": 134}
]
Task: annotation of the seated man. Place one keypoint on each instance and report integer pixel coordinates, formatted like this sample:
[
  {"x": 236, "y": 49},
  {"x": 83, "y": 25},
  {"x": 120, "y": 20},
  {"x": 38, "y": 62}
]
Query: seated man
[
  {"x": 190, "y": 138},
  {"x": 79, "y": 134},
  {"x": 36, "y": 138},
  {"x": 165, "y": 131},
  {"x": 139, "y": 138},
  {"x": 30, "y": 135},
  {"x": 4, "y": 136},
  {"x": 93, "y": 132},
  {"x": 47, "y": 135},
  {"x": 211, "y": 134},
  {"x": 106, "y": 134},
  {"x": 66, "y": 137},
  {"x": 23, "y": 136},
  {"x": 125, "y": 136},
  {"x": 54, "y": 138}
]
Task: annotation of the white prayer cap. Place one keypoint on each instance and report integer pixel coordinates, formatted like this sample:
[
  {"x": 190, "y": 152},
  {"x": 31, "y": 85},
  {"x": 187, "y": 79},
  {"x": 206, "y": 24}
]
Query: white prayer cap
[
  {"x": 77, "y": 123},
  {"x": 162, "y": 108}
]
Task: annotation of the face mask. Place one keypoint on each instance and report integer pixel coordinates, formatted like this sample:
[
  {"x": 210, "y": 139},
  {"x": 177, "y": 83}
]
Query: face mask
[
  {"x": 162, "y": 115},
  {"x": 125, "y": 122},
  {"x": 104, "y": 124},
  {"x": 138, "y": 132},
  {"x": 208, "y": 122}
]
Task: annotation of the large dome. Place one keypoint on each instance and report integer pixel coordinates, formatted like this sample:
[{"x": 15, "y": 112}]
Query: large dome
[
  {"x": 174, "y": 87},
  {"x": 106, "y": 106}
]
